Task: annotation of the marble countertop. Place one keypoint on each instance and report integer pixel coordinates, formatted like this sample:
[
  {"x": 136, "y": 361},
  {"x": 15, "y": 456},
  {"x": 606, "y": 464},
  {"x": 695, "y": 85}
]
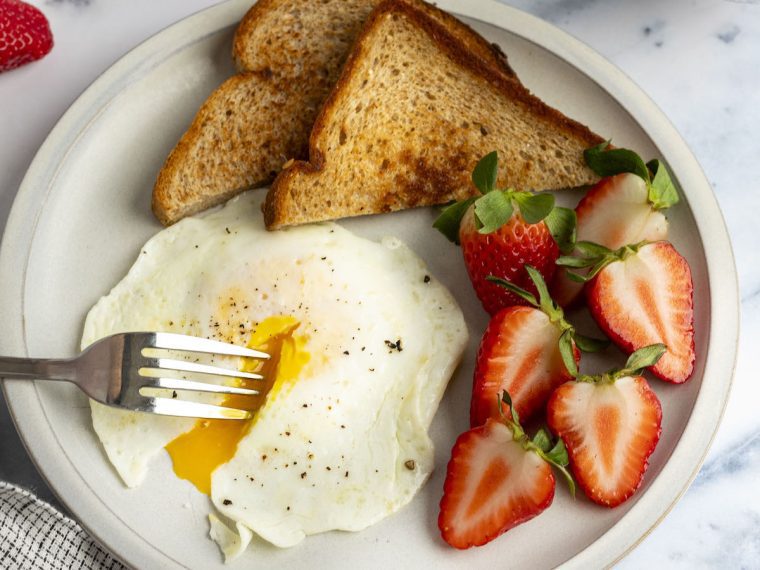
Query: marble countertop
[{"x": 700, "y": 62}]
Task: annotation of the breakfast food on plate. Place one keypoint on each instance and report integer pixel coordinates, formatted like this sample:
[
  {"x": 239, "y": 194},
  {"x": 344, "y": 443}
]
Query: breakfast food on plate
[
  {"x": 411, "y": 114},
  {"x": 289, "y": 54},
  {"x": 642, "y": 294},
  {"x": 624, "y": 207},
  {"x": 502, "y": 232},
  {"x": 301, "y": 39},
  {"x": 526, "y": 351},
  {"x": 239, "y": 139},
  {"x": 496, "y": 479},
  {"x": 363, "y": 341},
  {"x": 611, "y": 424},
  {"x": 639, "y": 294}
]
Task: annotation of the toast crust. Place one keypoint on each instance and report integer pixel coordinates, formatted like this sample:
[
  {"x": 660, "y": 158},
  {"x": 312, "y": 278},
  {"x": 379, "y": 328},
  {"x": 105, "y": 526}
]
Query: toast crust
[
  {"x": 303, "y": 72},
  {"x": 427, "y": 185}
]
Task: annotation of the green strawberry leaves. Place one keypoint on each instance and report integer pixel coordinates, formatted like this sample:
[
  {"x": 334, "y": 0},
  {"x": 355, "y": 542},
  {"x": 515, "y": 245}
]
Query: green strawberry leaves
[
  {"x": 567, "y": 351},
  {"x": 553, "y": 452},
  {"x": 614, "y": 161},
  {"x": 569, "y": 337},
  {"x": 604, "y": 162},
  {"x": 534, "y": 207},
  {"x": 643, "y": 358},
  {"x": 495, "y": 207},
  {"x": 485, "y": 172},
  {"x": 493, "y": 211},
  {"x": 662, "y": 191},
  {"x": 561, "y": 223},
  {"x": 451, "y": 216},
  {"x": 595, "y": 256}
]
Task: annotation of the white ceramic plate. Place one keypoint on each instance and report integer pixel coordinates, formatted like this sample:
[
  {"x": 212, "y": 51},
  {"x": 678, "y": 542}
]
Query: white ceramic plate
[{"x": 82, "y": 214}]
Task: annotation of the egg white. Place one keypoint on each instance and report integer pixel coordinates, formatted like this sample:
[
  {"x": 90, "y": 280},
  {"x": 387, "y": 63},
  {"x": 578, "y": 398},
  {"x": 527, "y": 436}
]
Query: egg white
[{"x": 346, "y": 444}]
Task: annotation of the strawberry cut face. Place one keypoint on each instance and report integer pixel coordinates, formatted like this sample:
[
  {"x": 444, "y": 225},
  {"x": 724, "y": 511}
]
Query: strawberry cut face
[
  {"x": 519, "y": 353},
  {"x": 492, "y": 485},
  {"x": 647, "y": 299},
  {"x": 614, "y": 213},
  {"x": 610, "y": 430}
]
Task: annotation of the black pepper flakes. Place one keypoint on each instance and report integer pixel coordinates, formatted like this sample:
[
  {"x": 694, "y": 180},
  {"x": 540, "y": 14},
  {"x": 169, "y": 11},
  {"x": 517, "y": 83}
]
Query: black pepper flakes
[
  {"x": 303, "y": 475},
  {"x": 226, "y": 502},
  {"x": 410, "y": 464},
  {"x": 426, "y": 279}
]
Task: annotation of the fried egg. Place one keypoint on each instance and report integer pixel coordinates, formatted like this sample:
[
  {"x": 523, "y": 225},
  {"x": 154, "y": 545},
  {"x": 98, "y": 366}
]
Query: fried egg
[{"x": 363, "y": 342}]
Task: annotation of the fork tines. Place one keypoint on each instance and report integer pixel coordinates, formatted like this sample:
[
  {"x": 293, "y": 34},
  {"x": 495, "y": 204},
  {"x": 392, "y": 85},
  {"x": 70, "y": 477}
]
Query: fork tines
[{"x": 173, "y": 341}]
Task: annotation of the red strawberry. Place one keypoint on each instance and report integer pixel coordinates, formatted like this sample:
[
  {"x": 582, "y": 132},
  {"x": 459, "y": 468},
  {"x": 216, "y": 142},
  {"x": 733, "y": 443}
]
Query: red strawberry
[
  {"x": 644, "y": 295},
  {"x": 519, "y": 353},
  {"x": 492, "y": 484},
  {"x": 496, "y": 479},
  {"x": 526, "y": 351},
  {"x": 25, "y": 34},
  {"x": 611, "y": 425},
  {"x": 504, "y": 253},
  {"x": 502, "y": 231},
  {"x": 613, "y": 213}
]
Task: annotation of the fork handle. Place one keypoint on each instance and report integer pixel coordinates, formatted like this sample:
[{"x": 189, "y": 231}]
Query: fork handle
[{"x": 36, "y": 369}]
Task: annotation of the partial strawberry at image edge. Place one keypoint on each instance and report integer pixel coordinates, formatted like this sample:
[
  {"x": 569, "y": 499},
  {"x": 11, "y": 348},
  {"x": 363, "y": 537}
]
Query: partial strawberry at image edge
[{"x": 25, "y": 34}]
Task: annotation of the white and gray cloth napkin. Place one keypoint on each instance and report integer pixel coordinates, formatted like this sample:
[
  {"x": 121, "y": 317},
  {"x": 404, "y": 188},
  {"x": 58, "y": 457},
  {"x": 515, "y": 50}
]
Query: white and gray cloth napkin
[{"x": 35, "y": 536}]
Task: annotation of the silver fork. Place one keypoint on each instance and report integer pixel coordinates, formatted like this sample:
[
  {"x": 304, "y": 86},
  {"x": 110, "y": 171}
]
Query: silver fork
[{"x": 115, "y": 369}]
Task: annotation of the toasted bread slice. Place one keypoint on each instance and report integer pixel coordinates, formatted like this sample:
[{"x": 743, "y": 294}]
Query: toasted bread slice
[
  {"x": 254, "y": 122},
  {"x": 303, "y": 38},
  {"x": 410, "y": 116},
  {"x": 239, "y": 139}
]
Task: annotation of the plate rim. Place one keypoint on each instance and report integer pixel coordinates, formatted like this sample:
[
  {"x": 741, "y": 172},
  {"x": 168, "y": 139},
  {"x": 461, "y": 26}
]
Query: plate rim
[{"x": 694, "y": 443}]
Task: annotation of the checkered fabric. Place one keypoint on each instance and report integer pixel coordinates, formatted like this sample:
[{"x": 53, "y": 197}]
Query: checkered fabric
[{"x": 34, "y": 535}]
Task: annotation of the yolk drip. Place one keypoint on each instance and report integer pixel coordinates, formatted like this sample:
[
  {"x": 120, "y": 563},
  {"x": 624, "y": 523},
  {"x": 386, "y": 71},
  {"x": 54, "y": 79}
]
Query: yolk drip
[{"x": 210, "y": 443}]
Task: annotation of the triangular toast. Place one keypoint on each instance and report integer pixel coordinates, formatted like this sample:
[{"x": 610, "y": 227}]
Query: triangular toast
[
  {"x": 290, "y": 53},
  {"x": 411, "y": 114}
]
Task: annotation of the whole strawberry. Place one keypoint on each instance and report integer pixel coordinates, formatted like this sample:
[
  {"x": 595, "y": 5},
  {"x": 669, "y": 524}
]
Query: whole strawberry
[
  {"x": 25, "y": 34},
  {"x": 502, "y": 231}
]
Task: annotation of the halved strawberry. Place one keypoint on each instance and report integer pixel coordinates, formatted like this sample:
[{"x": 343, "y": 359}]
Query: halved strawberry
[
  {"x": 611, "y": 425},
  {"x": 502, "y": 231},
  {"x": 613, "y": 213},
  {"x": 496, "y": 479},
  {"x": 624, "y": 207},
  {"x": 617, "y": 211},
  {"x": 527, "y": 351},
  {"x": 640, "y": 295}
]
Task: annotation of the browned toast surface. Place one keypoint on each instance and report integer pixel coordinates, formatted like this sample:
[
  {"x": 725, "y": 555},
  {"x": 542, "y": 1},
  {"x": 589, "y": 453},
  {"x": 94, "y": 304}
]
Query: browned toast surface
[
  {"x": 295, "y": 49},
  {"x": 233, "y": 144},
  {"x": 412, "y": 113},
  {"x": 311, "y": 39}
]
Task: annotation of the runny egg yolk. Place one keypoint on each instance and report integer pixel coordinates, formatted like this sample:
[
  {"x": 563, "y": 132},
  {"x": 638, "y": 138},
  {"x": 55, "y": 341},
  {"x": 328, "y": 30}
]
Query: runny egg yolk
[{"x": 210, "y": 443}]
